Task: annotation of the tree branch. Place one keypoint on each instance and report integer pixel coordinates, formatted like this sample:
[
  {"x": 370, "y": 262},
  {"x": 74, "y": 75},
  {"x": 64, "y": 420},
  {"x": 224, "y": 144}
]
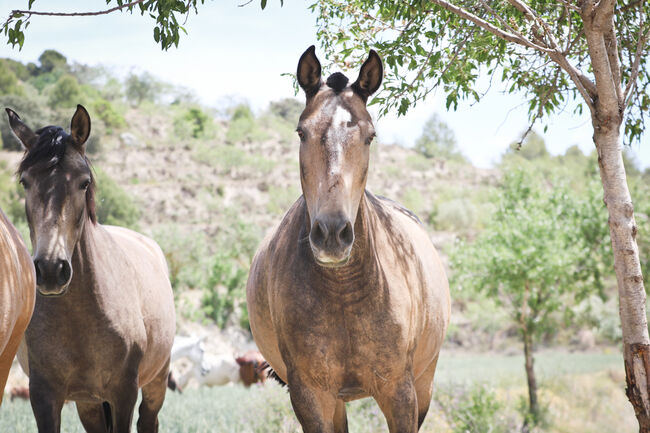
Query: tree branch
[
  {"x": 510, "y": 37},
  {"x": 634, "y": 72},
  {"x": 75, "y": 14}
]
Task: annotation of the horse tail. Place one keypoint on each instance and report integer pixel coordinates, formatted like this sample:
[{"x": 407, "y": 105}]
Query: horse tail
[{"x": 265, "y": 367}]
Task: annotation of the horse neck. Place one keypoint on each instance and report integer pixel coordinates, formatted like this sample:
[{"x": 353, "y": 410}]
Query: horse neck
[{"x": 84, "y": 271}]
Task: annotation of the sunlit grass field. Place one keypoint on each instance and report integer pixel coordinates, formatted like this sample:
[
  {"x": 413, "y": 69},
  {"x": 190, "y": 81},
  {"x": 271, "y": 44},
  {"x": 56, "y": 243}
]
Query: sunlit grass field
[{"x": 583, "y": 392}]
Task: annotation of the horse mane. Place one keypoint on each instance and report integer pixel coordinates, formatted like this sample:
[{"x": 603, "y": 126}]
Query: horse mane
[
  {"x": 48, "y": 152},
  {"x": 337, "y": 81}
]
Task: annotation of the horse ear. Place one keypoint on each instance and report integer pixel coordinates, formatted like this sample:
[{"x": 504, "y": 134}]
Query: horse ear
[
  {"x": 370, "y": 76},
  {"x": 80, "y": 127},
  {"x": 309, "y": 72},
  {"x": 22, "y": 131}
]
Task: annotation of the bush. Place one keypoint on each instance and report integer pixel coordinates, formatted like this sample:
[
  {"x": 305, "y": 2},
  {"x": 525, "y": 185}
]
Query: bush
[
  {"x": 194, "y": 123},
  {"x": 142, "y": 88},
  {"x": 30, "y": 110},
  {"x": 288, "y": 109},
  {"x": 243, "y": 127},
  {"x": 187, "y": 257},
  {"x": 9, "y": 81},
  {"x": 474, "y": 410},
  {"x": 107, "y": 113},
  {"x": 455, "y": 215},
  {"x": 114, "y": 205},
  {"x": 66, "y": 93},
  {"x": 224, "y": 299}
]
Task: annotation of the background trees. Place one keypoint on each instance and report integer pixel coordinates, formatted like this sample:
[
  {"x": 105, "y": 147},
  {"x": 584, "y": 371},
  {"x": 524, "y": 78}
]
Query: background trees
[{"x": 534, "y": 259}]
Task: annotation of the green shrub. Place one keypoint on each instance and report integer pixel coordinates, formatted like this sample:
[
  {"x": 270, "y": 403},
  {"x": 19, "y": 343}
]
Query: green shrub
[
  {"x": 8, "y": 80},
  {"x": 455, "y": 215},
  {"x": 224, "y": 299},
  {"x": 288, "y": 109},
  {"x": 243, "y": 127},
  {"x": 194, "y": 123},
  {"x": 108, "y": 114},
  {"x": 187, "y": 257},
  {"x": 114, "y": 205},
  {"x": 65, "y": 93},
  {"x": 31, "y": 110},
  {"x": 474, "y": 410}
]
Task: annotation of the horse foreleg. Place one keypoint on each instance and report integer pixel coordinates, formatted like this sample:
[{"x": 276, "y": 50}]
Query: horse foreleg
[
  {"x": 314, "y": 407},
  {"x": 398, "y": 402},
  {"x": 153, "y": 396},
  {"x": 46, "y": 404},
  {"x": 93, "y": 417},
  {"x": 340, "y": 418},
  {"x": 123, "y": 404}
]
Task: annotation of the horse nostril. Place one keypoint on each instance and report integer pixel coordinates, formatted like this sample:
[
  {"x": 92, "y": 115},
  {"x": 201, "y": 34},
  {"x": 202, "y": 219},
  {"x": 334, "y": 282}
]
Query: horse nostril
[
  {"x": 346, "y": 234},
  {"x": 63, "y": 272},
  {"x": 39, "y": 272},
  {"x": 318, "y": 233}
]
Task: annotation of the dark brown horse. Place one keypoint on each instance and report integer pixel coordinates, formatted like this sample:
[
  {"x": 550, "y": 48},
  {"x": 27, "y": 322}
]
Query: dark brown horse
[
  {"x": 17, "y": 292},
  {"x": 348, "y": 298},
  {"x": 104, "y": 320}
]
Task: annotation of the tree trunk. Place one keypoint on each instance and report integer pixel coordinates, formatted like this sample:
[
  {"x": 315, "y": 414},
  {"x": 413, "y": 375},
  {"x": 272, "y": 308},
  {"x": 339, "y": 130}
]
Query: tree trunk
[
  {"x": 530, "y": 376},
  {"x": 632, "y": 297}
]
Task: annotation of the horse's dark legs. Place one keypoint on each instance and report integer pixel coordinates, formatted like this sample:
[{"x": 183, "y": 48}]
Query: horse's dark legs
[
  {"x": 340, "y": 418},
  {"x": 398, "y": 402},
  {"x": 123, "y": 404},
  {"x": 92, "y": 417},
  {"x": 46, "y": 404},
  {"x": 424, "y": 389},
  {"x": 313, "y": 407},
  {"x": 153, "y": 396}
]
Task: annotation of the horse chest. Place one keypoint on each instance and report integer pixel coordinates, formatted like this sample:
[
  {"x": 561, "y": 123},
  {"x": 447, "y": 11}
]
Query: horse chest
[{"x": 347, "y": 341}]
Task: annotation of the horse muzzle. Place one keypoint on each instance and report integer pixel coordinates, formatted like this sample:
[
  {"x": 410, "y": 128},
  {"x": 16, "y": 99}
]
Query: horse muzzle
[
  {"x": 331, "y": 238},
  {"x": 52, "y": 276}
]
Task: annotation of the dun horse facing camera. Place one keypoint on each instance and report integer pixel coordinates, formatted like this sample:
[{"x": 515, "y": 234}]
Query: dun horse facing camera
[
  {"x": 348, "y": 298},
  {"x": 104, "y": 321}
]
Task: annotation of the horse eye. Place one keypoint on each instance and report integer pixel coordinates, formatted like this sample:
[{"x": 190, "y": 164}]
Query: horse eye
[
  {"x": 369, "y": 139},
  {"x": 301, "y": 133},
  {"x": 24, "y": 183},
  {"x": 85, "y": 184}
]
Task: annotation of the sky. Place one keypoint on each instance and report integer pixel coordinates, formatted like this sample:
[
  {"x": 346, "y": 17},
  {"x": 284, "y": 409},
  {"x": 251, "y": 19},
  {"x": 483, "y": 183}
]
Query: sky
[{"x": 240, "y": 52}]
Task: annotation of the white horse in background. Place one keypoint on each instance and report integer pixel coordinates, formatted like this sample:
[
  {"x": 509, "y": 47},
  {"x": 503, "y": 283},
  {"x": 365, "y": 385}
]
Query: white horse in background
[{"x": 207, "y": 368}]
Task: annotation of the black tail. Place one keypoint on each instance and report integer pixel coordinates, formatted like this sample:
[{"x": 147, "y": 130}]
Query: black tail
[{"x": 270, "y": 373}]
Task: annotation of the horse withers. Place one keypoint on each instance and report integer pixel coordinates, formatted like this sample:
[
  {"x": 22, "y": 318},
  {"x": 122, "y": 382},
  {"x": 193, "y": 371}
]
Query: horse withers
[
  {"x": 347, "y": 298},
  {"x": 104, "y": 320},
  {"x": 17, "y": 292}
]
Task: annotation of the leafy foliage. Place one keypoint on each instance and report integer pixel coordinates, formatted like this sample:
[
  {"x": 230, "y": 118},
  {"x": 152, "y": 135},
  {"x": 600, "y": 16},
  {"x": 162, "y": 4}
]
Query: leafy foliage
[
  {"x": 114, "y": 205},
  {"x": 425, "y": 46},
  {"x": 225, "y": 295}
]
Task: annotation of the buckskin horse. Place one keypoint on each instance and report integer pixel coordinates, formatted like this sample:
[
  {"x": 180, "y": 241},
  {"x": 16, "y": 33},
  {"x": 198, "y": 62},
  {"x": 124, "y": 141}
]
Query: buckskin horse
[
  {"x": 347, "y": 298},
  {"x": 17, "y": 292},
  {"x": 104, "y": 320}
]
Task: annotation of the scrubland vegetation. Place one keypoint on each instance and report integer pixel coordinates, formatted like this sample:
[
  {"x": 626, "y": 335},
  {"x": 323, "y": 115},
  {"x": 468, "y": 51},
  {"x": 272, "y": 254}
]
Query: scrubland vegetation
[{"x": 526, "y": 242}]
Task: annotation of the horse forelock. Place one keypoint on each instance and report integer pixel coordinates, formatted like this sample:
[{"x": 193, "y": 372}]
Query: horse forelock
[{"x": 49, "y": 152}]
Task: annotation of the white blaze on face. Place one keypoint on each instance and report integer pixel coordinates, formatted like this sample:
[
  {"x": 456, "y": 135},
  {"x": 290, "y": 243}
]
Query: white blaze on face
[{"x": 336, "y": 136}]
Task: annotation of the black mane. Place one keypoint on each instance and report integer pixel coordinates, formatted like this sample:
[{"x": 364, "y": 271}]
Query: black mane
[
  {"x": 48, "y": 152},
  {"x": 337, "y": 81}
]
